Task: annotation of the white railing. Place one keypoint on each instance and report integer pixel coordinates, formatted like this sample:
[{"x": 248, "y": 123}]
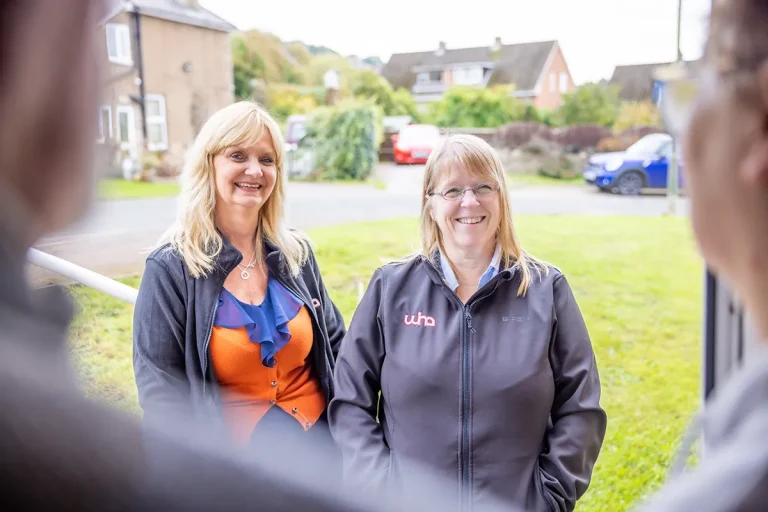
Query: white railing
[{"x": 82, "y": 275}]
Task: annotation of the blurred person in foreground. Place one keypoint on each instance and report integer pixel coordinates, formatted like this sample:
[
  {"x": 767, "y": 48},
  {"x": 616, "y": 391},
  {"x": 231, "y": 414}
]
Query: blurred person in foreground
[
  {"x": 470, "y": 358},
  {"x": 59, "y": 450},
  {"x": 722, "y": 115}
]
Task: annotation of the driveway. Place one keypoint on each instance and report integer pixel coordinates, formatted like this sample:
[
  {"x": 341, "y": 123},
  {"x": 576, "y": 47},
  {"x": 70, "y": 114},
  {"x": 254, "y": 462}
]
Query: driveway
[{"x": 116, "y": 236}]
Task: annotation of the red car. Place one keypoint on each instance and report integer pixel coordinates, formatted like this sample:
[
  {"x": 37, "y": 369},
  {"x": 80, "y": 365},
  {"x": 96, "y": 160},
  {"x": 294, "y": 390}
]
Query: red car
[{"x": 414, "y": 143}]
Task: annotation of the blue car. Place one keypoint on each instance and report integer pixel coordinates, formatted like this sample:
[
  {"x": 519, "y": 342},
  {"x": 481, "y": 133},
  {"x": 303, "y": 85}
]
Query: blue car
[{"x": 642, "y": 166}]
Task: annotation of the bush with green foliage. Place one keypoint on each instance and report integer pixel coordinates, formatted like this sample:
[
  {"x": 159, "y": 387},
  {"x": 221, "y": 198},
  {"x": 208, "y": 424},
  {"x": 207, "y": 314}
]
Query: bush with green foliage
[
  {"x": 637, "y": 113},
  {"x": 590, "y": 104},
  {"x": 366, "y": 84},
  {"x": 345, "y": 139},
  {"x": 473, "y": 107},
  {"x": 285, "y": 100}
]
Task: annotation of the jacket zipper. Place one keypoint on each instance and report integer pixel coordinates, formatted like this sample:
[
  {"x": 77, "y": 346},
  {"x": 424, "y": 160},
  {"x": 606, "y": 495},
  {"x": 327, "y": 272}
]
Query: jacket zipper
[
  {"x": 465, "y": 386},
  {"x": 206, "y": 354},
  {"x": 465, "y": 409}
]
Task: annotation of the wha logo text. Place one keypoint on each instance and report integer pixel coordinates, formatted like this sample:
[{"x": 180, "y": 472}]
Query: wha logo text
[{"x": 420, "y": 319}]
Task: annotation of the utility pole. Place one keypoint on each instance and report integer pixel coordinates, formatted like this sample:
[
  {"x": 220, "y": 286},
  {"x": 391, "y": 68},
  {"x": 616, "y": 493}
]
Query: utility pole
[{"x": 673, "y": 170}]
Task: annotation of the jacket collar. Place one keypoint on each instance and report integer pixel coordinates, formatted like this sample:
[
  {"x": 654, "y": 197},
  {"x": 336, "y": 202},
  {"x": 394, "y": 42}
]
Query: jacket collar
[
  {"x": 434, "y": 263},
  {"x": 450, "y": 277}
]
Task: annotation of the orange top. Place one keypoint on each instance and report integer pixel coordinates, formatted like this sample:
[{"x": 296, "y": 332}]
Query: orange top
[{"x": 249, "y": 389}]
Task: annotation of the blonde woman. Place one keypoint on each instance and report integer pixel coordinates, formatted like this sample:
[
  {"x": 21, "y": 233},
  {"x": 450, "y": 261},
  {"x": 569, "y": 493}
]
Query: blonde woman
[
  {"x": 479, "y": 353},
  {"x": 233, "y": 321}
]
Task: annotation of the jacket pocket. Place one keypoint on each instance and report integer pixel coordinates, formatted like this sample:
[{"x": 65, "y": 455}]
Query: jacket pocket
[{"x": 543, "y": 492}]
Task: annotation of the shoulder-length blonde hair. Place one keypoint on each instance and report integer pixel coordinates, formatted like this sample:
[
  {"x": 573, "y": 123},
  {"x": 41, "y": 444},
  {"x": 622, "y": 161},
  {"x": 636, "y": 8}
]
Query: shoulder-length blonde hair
[
  {"x": 473, "y": 155},
  {"x": 194, "y": 234}
]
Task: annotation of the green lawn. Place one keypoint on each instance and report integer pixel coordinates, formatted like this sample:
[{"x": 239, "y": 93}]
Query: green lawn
[
  {"x": 637, "y": 280},
  {"x": 125, "y": 189},
  {"x": 538, "y": 180}
]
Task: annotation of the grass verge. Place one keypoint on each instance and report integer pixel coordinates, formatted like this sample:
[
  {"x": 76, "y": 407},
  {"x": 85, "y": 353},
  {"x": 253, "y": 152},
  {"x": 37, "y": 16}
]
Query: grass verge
[
  {"x": 637, "y": 281},
  {"x": 111, "y": 189}
]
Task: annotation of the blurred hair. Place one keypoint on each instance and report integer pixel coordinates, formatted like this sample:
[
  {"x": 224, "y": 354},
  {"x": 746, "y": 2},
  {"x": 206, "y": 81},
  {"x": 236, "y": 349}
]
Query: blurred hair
[
  {"x": 48, "y": 106},
  {"x": 738, "y": 34}
]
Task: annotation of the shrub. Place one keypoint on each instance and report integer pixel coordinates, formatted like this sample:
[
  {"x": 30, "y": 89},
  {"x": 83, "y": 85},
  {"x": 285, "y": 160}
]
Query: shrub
[
  {"x": 590, "y": 104},
  {"x": 637, "y": 113},
  {"x": 472, "y": 107},
  {"x": 285, "y": 100},
  {"x": 562, "y": 166},
  {"x": 345, "y": 139},
  {"x": 517, "y": 134},
  {"x": 581, "y": 136}
]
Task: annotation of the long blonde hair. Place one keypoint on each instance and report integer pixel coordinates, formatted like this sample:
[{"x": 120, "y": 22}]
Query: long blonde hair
[
  {"x": 472, "y": 154},
  {"x": 194, "y": 235}
]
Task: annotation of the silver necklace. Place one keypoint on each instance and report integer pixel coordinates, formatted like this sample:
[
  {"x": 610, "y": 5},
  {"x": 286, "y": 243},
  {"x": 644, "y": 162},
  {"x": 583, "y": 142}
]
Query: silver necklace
[{"x": 244, "y": 274}]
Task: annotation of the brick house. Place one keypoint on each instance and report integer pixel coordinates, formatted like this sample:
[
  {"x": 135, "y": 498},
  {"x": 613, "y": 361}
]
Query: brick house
[
  {"x": 175, "y": 56},
  {"x": 538, "y": 71}
]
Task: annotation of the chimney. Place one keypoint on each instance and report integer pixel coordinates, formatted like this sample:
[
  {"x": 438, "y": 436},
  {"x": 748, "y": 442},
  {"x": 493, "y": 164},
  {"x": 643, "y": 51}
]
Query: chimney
[
  {"x": 496, "y": 45},
  {"x": 440, "y": 49}
]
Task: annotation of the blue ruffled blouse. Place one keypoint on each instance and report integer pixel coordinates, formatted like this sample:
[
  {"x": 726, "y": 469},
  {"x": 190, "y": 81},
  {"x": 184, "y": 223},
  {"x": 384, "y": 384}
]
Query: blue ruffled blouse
[{"x": 267, "y": 323}]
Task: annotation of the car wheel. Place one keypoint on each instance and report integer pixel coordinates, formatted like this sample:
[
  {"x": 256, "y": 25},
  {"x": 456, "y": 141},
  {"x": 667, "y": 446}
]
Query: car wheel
[{"x": 630, "y": 183}]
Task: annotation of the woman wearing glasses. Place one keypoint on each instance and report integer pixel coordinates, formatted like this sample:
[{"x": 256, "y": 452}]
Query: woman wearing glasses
[{"x": 478, "y": 352}]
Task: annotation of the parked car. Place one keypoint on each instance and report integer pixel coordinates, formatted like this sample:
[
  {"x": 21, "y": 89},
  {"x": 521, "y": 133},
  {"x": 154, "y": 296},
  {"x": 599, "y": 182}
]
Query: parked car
[
  {"x": 643, "y": 165},
  {"x": 414, "y": 143}
]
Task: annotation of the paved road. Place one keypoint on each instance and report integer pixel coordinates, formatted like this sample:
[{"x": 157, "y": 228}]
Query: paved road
[{"x": 116, "y": 235}]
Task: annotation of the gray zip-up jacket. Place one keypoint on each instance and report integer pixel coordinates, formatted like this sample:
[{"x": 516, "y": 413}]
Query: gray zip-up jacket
[
  {"x": 733, "y": 474},
  {"x": 500, "y": 396}
]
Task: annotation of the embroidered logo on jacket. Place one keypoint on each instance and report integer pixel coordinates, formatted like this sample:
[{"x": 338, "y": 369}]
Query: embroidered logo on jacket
[{"x": 420, "y": 319}]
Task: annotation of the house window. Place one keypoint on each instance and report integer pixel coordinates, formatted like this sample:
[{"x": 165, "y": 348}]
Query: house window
[
  {"x": 126, "y": 126},
  {"x": 157, "y": 124},
  {"x": 552, "y": 82},
  {"x": 564, "y": 82},
  {"x": 105, "y": 123},
  {"x": 429, "y": 77},
  {"x": 119, "y": 44},
  {"x": 468, "y": 76}
]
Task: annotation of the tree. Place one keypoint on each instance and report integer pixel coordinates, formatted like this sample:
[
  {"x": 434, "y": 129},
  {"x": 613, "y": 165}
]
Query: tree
[
  {"x": 590, "y": 104},
  {"x": 285, "y": 100},
  {"x": 247, "y": 65},
  {"x": 365, "y": 83},
  {"x": 279, "y": 65},
  {"x": 403, "y": 104},
  {"x": 320, "y": 64},
  {"x": 473, "y": 107}
]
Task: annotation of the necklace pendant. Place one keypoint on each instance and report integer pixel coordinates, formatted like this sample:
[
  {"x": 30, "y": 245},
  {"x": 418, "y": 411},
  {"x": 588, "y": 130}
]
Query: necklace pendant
[{"x": 244, "y": 274}]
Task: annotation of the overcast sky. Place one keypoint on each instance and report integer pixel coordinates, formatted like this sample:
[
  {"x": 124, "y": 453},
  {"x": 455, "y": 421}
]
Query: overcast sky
[{"x": 595, "y": 35}]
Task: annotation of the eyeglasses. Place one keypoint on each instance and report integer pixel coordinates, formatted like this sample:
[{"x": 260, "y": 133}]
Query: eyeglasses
[{"x": 456, "y": 193}]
